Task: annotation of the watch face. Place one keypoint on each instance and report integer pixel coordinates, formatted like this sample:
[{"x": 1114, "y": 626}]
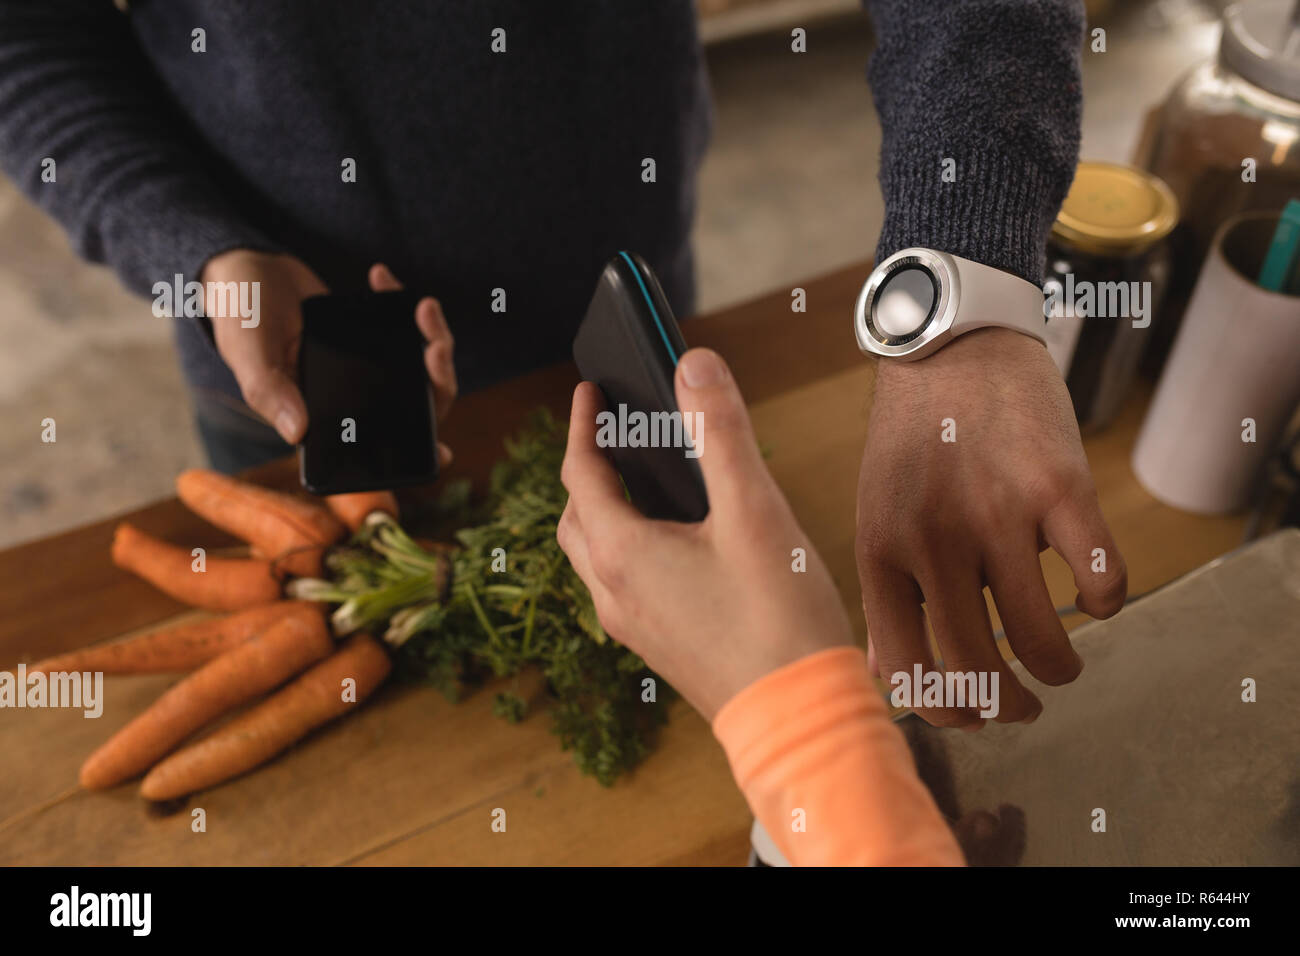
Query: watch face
[
  {"x": 906, "y": 308},
  {"x": 904, "y": 303}
]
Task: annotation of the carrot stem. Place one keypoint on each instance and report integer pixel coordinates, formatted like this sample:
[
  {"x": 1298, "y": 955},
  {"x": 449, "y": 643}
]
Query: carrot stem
[{"x": 354, "y": 509}]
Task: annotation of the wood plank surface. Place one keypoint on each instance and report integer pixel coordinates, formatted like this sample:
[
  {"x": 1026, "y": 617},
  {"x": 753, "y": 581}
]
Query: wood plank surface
[{"x": 412, "y": 778}]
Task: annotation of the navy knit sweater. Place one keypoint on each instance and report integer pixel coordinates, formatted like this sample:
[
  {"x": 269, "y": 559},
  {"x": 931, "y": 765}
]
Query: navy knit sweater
[{"x": 477, "y": 169}]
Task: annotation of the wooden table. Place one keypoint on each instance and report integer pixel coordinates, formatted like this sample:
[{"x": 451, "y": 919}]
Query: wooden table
[{"x": 414, "y": 779}]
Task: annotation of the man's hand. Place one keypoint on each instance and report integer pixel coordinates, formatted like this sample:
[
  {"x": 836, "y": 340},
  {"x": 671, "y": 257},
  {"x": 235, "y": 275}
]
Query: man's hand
[
  {"x": 264, "y": 357},
  {"x": 939, "y": 519}
]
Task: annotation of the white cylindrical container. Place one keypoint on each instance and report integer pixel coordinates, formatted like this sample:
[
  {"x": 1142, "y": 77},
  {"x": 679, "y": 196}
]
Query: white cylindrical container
[{"x": 1234, "y": 374}]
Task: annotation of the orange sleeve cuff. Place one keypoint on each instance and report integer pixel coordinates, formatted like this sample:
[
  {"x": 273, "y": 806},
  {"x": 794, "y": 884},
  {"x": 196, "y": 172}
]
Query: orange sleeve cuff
[{"x": 826, "y": 772}]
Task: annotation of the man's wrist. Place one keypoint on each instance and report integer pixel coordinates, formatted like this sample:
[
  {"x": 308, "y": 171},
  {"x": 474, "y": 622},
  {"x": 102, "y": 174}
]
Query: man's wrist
[
  {"x": 983, "y": 352},
  {"x": 231, "y": 264}
]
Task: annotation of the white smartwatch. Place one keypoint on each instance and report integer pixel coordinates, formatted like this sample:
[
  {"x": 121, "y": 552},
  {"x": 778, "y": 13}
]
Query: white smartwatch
[{"x": 918, "y": 300}]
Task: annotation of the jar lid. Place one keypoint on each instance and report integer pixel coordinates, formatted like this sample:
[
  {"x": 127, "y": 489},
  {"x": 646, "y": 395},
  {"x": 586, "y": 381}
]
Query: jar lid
[
  {"x": 1261, "y": 43},
  {"x": 1115, "y": 209}
]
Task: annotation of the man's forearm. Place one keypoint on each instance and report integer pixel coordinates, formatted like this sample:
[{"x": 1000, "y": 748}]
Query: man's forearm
[
  {"x": 980, "y": 105},
  {"x": 86, "y": 131}
]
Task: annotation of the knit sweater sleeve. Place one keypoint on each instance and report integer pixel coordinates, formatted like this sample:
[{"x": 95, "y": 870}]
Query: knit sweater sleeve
[
  {"x": 980, "y": 104},
  {"x": 88, "y": 132}
]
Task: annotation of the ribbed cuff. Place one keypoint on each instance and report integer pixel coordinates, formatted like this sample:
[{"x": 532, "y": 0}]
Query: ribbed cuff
[
  {"x": 826, "y": 689},
  {"x": 169, "y": 231},
  {"x": 825, "y": 771},
  {"x": 997, "y": 210}
]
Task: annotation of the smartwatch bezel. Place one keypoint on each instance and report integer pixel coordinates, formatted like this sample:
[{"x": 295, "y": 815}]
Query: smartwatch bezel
[{"x": 938, "y": 325}]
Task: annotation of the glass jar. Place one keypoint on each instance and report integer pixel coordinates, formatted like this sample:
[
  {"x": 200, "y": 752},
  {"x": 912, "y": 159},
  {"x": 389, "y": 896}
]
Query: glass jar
[
  {"x": 1107, "y": 270},
  {"x": 1227, "y": 140}
]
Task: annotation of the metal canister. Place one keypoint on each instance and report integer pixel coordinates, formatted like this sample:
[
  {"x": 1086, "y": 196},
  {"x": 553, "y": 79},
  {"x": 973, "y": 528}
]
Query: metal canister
[{"x": 1107, "y": 269}]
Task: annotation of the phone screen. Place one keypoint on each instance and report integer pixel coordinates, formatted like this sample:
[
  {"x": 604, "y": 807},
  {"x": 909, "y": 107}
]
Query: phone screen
[{"x": 371, "y": 423}]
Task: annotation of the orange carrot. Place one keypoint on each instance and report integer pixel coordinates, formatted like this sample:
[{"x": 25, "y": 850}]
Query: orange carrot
[
  {"x": 181, "y": 647},
  {"x": 289, "y": 530},
  {"x": 354, "y": 509},
  {"x": 243, "y": 673},
  {"x": 285, "y": 717},
  {"x": 225, "y": 584}
]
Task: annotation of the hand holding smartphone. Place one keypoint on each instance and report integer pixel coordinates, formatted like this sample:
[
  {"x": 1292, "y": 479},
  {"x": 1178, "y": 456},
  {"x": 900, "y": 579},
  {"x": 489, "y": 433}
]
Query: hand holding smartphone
[
  {"x": 629, "y": 345},
  {"x": 370, "y": 407}
]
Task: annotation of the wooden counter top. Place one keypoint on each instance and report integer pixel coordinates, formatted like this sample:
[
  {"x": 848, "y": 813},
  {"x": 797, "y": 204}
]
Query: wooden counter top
[{"x": 412, "y": 778}]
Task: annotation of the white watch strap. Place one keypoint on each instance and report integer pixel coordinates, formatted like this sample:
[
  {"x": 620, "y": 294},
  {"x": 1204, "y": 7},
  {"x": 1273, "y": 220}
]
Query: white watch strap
[{"x": 991, "y": 297}]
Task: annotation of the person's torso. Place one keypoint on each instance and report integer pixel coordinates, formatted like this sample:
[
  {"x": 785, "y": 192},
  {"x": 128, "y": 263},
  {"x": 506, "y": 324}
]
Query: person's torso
[{"x": 496, "y": 145}]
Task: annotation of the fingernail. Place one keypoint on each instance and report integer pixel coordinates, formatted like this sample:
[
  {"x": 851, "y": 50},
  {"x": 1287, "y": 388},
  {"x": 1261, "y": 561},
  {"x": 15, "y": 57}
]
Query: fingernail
[
  {"x": 286, "y": 423},
  {"x": 702, "y": 368}
]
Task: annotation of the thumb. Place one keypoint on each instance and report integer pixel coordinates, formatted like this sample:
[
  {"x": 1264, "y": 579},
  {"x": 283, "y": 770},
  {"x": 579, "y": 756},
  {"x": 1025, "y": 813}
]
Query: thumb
[
  {"x": 719, "y": 424},
  {"x": 382, "y": 279},
  {"x": 273, "y": 394}
]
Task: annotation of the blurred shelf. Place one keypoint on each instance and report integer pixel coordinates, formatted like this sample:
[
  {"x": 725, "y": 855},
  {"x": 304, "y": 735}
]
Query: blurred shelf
[{"x": 722, "y": 20}]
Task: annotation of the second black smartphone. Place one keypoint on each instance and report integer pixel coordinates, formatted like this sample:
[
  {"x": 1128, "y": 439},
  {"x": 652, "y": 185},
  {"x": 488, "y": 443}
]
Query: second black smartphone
[{"x": 371, "y": 420}]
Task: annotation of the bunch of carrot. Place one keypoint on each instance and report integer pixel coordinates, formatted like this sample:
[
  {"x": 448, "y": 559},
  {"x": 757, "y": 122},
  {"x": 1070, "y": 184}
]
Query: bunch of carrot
[{"x": 269, "y": 647}]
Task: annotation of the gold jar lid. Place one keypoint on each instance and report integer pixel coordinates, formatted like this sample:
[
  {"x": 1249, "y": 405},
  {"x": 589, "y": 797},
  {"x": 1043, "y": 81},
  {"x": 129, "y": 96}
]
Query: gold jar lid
[{"x": 1113, "y": 209}]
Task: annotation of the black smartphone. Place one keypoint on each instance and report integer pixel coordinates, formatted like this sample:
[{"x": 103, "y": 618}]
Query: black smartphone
[
  {"x": 371, "y": 423},
  {"x": 629, "y": 344}
]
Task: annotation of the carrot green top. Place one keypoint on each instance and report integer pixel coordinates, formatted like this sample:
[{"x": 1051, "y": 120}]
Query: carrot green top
[{"x": 826, "y": 772}]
